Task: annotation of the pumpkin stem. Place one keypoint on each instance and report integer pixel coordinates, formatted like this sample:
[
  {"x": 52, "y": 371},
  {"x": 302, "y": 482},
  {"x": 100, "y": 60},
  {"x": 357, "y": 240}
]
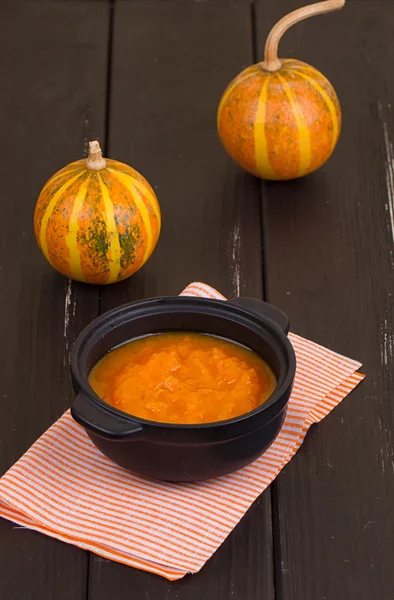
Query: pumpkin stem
[
  {"x": 95, "y": 160},
  {"x": 271, "y": 61}
]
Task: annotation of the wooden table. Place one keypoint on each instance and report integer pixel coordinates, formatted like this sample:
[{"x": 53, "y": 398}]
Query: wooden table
[{"x": 145, "y": 77}]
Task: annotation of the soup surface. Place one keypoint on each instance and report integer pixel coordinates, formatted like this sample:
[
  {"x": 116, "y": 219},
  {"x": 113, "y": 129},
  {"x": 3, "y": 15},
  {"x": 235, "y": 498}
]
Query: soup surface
[{"x": 183, "y": 378}]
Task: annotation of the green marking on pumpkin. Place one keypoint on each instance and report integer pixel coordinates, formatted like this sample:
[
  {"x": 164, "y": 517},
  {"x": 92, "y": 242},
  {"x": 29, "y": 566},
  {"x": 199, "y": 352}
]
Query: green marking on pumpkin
[
  {"x": 129, "y": 240},
  {"x": 99, "y": 243},
  {"x": 95, "y": 242}
]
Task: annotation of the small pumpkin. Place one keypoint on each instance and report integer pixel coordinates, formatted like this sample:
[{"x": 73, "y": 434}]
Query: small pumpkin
[
  {"x": 97, "y": 220},
  {"x": 281, "y": 119}
]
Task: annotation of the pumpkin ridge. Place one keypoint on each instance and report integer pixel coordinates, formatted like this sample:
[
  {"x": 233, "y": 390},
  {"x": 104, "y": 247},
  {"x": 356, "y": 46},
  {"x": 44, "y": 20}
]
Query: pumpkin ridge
[
  {"x": 145, "y": 192},
  {"x": 132, "y": 243},
  {"x": 116, "y": 165},
  {"x": 48, "y": 213},
  {"x": 294, "y": 63},
  {"x": 299, "y": 66},
  {"x": 287, "y": 62},
  {"x": 231, "y": 87},
  {"x": 51, "y": 187},
  {"x": 329, "y": 103},
  {"x": 112, "y": 232},
  {"x": 312, "y": 71},
  {"x": 64, "y": 172},
  {"x": 72, "y": 237},
  {"x": 129, "y": 183},
  {"x": 152, "y": 202},
  {"x": 260, "y": 137},
  {"x": 303, "y": 132}
]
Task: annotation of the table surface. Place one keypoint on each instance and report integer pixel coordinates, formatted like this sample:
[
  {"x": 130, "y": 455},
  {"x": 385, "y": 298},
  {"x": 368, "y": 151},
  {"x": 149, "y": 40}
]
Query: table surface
[{"x": 145, "y": 78}]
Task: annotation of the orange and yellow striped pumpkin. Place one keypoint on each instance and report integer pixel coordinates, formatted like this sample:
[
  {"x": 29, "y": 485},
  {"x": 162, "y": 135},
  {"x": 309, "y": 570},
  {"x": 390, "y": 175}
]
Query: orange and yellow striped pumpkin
[
  {"x": 97, "y": 220},
  {"x": 280, "y": 125},
  {"x": 281, "y": 119}
]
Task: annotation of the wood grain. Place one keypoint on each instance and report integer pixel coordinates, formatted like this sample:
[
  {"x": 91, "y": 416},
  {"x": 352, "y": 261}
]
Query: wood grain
[
  {"x": 167, "y": 83},
  {"x": 54, "y": 72},
  {"x": 329, "y": 250},
  {"x": 168, "y": 75}
]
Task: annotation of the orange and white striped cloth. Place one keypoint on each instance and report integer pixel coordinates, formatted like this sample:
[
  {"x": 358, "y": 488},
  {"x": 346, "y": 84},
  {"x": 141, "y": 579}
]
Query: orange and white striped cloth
[{"x": 64, "y": 487}]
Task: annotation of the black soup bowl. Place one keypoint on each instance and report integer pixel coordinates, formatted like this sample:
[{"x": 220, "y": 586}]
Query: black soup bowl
[{"x": 174, "y": 452}]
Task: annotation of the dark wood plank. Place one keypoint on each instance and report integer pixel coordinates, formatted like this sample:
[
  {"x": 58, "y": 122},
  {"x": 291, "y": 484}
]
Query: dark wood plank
[
  {"x": 166, "y": 89},
  {"x": 54, "y": 79},
  {"x": 172, "y": 61},
  {"x": 329, "y": 247}
]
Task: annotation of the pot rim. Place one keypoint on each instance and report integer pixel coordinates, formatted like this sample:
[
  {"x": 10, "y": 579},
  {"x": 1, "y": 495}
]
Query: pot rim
[{"x": 84, "y": 387}]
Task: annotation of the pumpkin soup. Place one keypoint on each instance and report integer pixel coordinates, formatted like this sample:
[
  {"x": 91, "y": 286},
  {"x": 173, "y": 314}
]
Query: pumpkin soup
[{"x": 183, "y": 378}]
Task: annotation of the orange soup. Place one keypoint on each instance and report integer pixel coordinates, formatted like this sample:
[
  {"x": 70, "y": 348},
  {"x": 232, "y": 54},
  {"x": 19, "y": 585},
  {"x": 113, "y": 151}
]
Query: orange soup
[{"x": 183, "y": 378}]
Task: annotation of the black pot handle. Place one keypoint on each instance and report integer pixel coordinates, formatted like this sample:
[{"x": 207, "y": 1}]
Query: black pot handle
[
  {"x": 263, "y": 308},
  {"x": 103, "y": 422}
]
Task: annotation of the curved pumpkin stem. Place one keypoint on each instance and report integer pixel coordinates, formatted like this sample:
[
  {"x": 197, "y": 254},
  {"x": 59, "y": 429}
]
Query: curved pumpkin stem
[
  {"x": 95, "y": 160},
  {"x": 271, "y": 61}
]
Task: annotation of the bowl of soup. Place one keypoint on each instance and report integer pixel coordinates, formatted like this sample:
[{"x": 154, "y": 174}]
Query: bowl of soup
[{"x": 184, "y": 388}]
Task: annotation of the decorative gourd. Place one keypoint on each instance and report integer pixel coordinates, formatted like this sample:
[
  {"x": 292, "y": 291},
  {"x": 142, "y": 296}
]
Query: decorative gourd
[
  {"x": 281, "y": 119},
  {"x": 97, "y": 220}
]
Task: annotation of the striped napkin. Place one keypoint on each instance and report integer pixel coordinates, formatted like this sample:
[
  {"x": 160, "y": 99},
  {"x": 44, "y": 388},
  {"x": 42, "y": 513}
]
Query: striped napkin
[{"x": 64, "y": 487}]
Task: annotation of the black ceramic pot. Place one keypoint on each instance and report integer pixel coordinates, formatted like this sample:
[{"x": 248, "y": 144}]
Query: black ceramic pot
[{"x": 184, "y": 452}]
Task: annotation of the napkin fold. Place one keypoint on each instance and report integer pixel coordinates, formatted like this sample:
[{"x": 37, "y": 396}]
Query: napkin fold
[{"x": 65, "y": 488}]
